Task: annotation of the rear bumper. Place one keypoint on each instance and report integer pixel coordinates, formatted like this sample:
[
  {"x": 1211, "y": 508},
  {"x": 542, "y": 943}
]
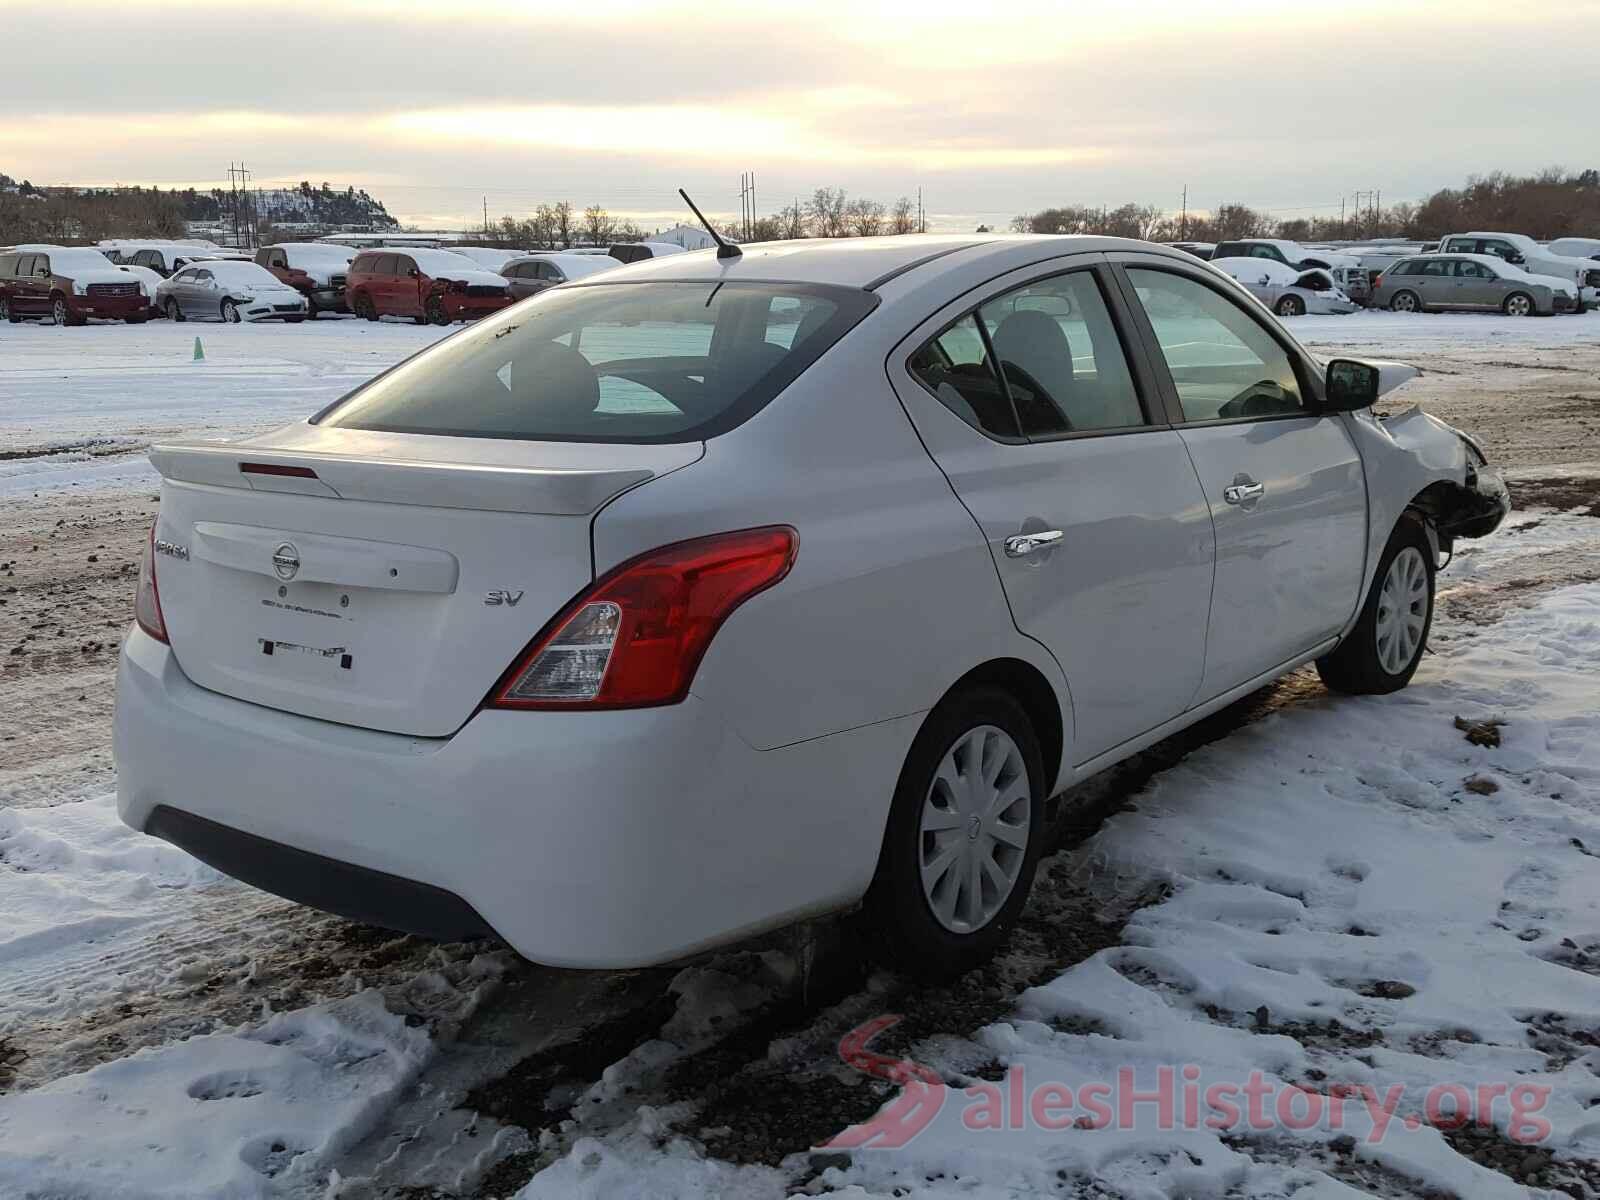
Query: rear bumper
[{"x": 610, "y": 839}]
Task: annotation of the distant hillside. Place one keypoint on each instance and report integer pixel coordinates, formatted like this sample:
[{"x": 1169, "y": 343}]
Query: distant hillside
[{"x": 303, "y": 205}]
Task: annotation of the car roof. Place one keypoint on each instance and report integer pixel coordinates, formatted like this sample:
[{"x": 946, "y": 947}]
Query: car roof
[{"x": 871, "y": 262}]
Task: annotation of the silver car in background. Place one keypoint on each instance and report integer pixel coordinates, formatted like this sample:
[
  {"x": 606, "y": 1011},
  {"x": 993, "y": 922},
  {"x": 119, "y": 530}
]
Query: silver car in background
[
  {"x": 226, "y": 290},
  {"x": 533, "y": 273},
  {"x": 1473, "y": 283}
]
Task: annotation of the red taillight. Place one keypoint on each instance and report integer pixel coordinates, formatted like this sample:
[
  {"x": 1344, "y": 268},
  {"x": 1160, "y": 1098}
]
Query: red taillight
[
  {"x": 254, "y": 468},
  {"x": 636, "y": 637},
  {"x": 147, "y": 600}
]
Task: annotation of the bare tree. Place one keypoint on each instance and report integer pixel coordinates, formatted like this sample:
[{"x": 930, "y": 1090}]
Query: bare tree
[
  {"x": 827, "y": 212},
  {"x": 864, "y": 217},
  {"x": 598, "y": 227},
  {"x": 562, "y": 213},
  {"x": 792, "y": 221},
  {"x": 903, "y": 216}
]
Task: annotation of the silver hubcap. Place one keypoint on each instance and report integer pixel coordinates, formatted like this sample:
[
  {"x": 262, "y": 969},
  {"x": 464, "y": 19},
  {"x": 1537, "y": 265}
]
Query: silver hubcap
[
  {"x": 1517, "y": 306},
  {"x": 974, "y": 831},
  {"x": 1404, "y": 303},
  {"x": 1287, "y": 308},
  {"x": 59, "y": 313},
  {"x": 1402, "y": 610}
]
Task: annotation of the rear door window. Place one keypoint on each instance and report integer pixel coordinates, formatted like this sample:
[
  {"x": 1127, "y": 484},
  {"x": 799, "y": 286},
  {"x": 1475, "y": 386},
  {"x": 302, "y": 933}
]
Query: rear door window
[
  {"x": 955, "y": 367},
  {"x": 1436, "y": 267},
  {"x": 640, "y": 363},
  {"x": 1061, "y": 358}
]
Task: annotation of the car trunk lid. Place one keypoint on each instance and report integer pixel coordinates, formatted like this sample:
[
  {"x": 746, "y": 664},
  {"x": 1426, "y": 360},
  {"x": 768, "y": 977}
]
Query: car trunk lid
[{"x": 375, "y": 579}]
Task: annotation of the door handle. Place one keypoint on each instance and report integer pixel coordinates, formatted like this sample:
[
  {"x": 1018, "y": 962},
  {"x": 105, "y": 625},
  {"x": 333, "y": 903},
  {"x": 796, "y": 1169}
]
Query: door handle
[
  {"x": 1023, "y": 544},
  {"x": 1243, "y": 493}
]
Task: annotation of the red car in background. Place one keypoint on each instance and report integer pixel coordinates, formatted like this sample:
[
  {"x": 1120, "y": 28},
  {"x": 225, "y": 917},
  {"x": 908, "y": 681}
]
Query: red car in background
[
  {"x": 430, "y": 286},
  {"x": 68, "y": 284}
]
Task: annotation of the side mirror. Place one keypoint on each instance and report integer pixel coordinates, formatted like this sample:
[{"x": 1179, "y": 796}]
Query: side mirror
[
  {"x": 1515, "y": 259},
  {"x": 414, "y": 273},
  {"x": 1351, "y": 386}
]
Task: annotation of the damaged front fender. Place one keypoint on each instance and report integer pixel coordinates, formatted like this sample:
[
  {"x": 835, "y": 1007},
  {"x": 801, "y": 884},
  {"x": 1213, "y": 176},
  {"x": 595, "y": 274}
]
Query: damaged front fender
[{"x": 1416, "y": 461}]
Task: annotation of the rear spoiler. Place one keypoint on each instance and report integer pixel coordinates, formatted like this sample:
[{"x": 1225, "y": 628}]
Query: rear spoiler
[{"x": 495, "y": 488}]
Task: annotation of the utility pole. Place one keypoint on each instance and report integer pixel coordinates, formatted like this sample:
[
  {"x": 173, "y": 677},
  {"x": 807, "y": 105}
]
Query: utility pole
[
  {"x": 1183, "y": 221},
  {"x": 922, "y": 216},
  {"x": 753, "y": 217},
  {"x": 486, "y": 217}
]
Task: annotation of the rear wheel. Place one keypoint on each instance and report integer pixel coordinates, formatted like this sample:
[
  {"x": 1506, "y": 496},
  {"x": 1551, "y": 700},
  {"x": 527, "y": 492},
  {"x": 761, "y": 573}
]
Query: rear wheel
[
  {"x": 7, "y": 312},
  {"x": 362, "y": 306},
  {"x": 1383, "y": 650},
  {"x": 1291, "y": 306},
  {"x": 963, "y": 837},
  {"x": 1407, "y": 302},
  {"x": 174, "y": 313},
  {"x": 1518, "y": 304}
]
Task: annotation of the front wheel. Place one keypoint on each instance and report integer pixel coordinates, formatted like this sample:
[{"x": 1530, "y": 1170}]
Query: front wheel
[
  {"x": 61, "y": 314},
  {"x": 434, "y": 312},
  {"x": 1406, "y": 302},
  {"x": 230, "y": 312},
  {"x": 1291, "y": 306},
  {"x": 963, "y": 837},
  {"x": 1382, "y": 652},
  {"x": 1518, "y": 304}
]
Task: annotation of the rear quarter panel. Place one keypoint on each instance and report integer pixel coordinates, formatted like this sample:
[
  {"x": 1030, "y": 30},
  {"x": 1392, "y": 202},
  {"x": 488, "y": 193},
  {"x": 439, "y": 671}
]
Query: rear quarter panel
[{"x": 893, "y": 596}]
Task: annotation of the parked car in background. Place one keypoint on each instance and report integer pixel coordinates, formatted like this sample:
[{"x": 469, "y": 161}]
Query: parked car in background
[
  {"x": 122, "y": 250},
  {"x": 490, "y": 258},
  {"x": 1575, "y": 247},
  {"x": 429, "y": 286},
  {"x": 629, "y": 252},
  {"x": 1201, "y": 250},
  {"x": 166, "y": 257},
  {"x": 1481, "y": 282},
  {"x": 1288, "y": 291},
  {"x": 69, "y": 285},
  {"x": 1290, "y": 254},
  {"x": 1522, "y": 251},
  {"x": 317, "y": 270},
  {"x": 533, "y": 273},
  {"x": 673, "y": 606},
  {"x": 226, "y": 290}
]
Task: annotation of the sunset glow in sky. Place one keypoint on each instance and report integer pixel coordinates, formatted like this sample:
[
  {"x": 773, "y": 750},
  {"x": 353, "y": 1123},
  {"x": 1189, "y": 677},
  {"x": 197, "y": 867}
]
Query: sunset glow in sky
[{"x": 434, "y": 107}]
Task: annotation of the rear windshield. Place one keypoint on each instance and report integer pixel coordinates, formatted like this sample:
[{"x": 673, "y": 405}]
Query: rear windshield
[{"x": 624, "y": 362}]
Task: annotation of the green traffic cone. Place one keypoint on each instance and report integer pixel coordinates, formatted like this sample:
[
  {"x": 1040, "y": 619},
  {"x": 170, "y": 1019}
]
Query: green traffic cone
[{"x": 199, "y": 351}]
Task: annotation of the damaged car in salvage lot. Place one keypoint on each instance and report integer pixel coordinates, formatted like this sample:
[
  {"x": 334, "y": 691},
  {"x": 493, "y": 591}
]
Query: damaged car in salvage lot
[
  {"x": 1288, "y": 291},
  {"x": 725, "y": 590}
]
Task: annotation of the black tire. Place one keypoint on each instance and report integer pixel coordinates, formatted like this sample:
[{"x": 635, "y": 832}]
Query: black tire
[
  {"x": 174, "y": 313},
  {"x": 293, "y": 320},
  {"x": 1411, "y": 302},
  {"x": 363, "y": 307},
  {"x": 1521, "y": 302},
  {"x": 61, "y": 314},
  {"x": 230, "y": 313},
  {"x": 1356, "y": 667},
  {"x": 311, "y": 309},
  {"x": 138, "y": 319},
  {"x": 1290, "y": 306},
  {"x": 6, "y": 311},
  {"x": 433, "y": 311},
  {"x": 899, "y": 919}
]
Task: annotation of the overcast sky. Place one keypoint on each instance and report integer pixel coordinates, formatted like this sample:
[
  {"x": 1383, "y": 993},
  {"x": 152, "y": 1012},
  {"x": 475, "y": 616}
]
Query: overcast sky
[{"x": 432, "y": 106}]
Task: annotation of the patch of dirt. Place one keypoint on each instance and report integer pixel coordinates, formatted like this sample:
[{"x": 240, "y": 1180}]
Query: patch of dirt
[
  {"x": 1530, "y": 1165},
  {"x": 1578, "y": 494},
  {"x": 1331, "y": 1034},
  {"x": 1338, "y": 1160}
]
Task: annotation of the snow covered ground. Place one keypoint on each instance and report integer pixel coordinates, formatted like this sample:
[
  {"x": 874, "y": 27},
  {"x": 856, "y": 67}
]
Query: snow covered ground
[{"x": 1346, "y": 908}]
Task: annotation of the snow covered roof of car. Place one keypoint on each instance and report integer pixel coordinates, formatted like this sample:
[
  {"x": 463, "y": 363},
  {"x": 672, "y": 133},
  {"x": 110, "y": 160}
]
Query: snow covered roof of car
[
  {"x": 232, "y": 270},
  {"x": 573, "y": 264},
  {"x": 65, "y": 258},
  {"x": 436, "y": 262}
]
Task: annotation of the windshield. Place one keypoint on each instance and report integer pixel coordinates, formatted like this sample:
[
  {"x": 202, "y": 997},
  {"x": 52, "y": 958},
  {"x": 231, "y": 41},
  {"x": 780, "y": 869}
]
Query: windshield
[
  {"x": 641, "y": 362},
  {"x": 241, "y": 274}
]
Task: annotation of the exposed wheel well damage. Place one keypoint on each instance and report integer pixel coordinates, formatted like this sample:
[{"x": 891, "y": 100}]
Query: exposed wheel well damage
[
  {"x": 1038, "y": 699},
  {"x": 1456, "y": 510}
]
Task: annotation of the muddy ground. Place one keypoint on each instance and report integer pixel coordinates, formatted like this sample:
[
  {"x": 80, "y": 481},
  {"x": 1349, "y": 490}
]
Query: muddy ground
[{"x": 68, "y": 564}]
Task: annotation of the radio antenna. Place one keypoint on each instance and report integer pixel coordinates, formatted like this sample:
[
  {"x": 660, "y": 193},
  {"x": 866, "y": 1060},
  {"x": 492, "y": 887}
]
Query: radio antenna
[{"x": 725, "y": 248}]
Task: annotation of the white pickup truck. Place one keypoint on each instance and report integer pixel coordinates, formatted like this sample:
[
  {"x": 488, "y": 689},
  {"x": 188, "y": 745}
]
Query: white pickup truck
[{"x": 1533, "y": 258}]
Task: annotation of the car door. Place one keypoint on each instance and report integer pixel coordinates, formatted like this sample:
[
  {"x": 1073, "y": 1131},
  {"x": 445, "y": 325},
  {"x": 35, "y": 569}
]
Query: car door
[
  {"x": 1476, "y": 285},
  {"x": 27, "y": 296},
  {"x": 198, "y": 295},
  {"x": 1435, "y": 283},
  {"x": 405, "y": 288},
  {"x": 1284, "y": 484},
  {"x": 1091, "y": 510}
]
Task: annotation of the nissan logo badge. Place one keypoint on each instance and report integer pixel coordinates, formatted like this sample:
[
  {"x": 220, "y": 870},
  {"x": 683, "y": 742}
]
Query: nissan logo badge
[{"x": 286, "y": 561}]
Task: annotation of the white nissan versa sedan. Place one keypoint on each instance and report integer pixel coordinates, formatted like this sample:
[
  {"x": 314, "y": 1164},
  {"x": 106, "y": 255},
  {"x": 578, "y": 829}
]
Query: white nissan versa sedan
[{"x": 722, "y": 591}]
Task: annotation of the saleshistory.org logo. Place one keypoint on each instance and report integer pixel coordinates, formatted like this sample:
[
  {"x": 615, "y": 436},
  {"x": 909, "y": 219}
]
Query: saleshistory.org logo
[{"x": 1178, "y": 1097}]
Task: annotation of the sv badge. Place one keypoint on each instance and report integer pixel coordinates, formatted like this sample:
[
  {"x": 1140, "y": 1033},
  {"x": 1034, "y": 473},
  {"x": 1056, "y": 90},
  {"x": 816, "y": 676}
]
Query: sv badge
[{"x": 498, "y": 596}]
